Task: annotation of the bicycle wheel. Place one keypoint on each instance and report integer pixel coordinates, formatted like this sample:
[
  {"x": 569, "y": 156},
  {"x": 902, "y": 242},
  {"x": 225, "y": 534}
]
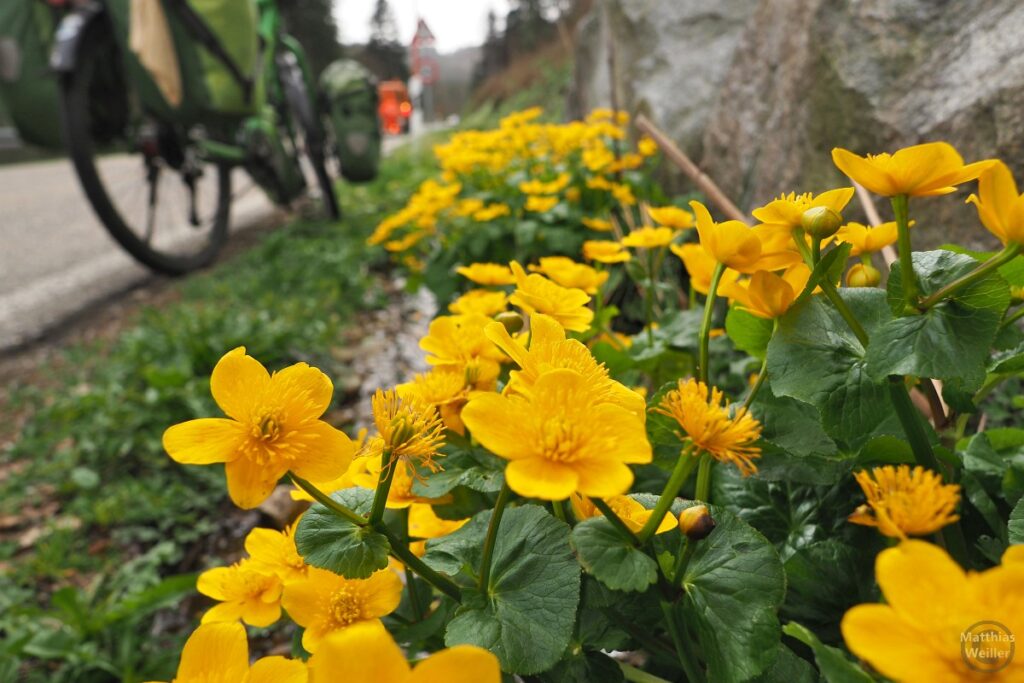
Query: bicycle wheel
[
  {"x": 149, "y": 188},
  {"x": 314, "y": 140}
]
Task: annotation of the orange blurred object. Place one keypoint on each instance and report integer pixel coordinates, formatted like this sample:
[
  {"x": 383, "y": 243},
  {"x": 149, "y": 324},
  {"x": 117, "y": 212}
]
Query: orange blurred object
[{"x": 395, "y": 107}]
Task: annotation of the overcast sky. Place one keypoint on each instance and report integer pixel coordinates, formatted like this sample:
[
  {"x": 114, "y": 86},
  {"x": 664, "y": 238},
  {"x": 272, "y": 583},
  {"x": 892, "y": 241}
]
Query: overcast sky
[{"x": 455, "y": 23}]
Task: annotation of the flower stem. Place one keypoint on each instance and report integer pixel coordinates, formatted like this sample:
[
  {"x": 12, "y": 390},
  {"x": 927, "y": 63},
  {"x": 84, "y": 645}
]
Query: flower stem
[
  {"x": 635, "y": 675},
  {"x": 492, "y": 536},
  {"x": 558, "y": 508},
  {"x": 913, "y": 426},
  {"x": 851, "y": 320},
  {"x": 684, "y": 467},
  {"x": 901, "y": 210},
  {"x": 1000, "y": 259},
  {"x": 649, "y": 298},
  {"x": 691, "y": 669},
  {"x": 401, "y": 551},
  {"x": 328, "y": 502},
  {"x": 682, "y": 560},
  {"x": 761, "y": 374},
  {"x": 380, "y": 496},
  {"x": 1014, "y": 317},
  {"x": 815, "y": 251},
  {"x": 410, "y": 578},
  {"x": 705, "y": 327},
  {"x": 704, "y": 478},
  {"x": 616, "y": 521}
]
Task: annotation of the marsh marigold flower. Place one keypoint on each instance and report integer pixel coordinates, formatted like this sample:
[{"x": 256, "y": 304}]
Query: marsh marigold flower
[
  {"x": 481, "y": 302},
  {"x": 919, "y": 171},
  {"x": 633, "y": 514},
  {"x": 700, "y": 266},
  {"x": 867, "y": 240},
  {"x": 549, "y": 349},
  {"x": 906, "y": 502},
  {"x": 699, "y": 411},
  {"x": 406, "y": 426},
  {"x": 732, "y": 242},
  {"x": 490, "y": 212},
  {"x": 368, "y": 654},
  {"x": 537, "y": 294},
  {"x": 768, "y": 295},
  {"x": 274, "y": 552},
  {"x": 245, "y": 591},
  {"x": 786, "y": 211},
  {"x": 457, "y": 342},
  {"x": 1000, "y": 206},
  {"x": 424, "y": 524},
  {"x": 939, "y": 622},
  {"x": 567, "y": 273},
  {"x": 219, "y": 653},
  {"x": 597, "y": 224},
  {"x": 273, "y": 427},
  {"x": 539, "y": 204},
  {"x": 648, "y": 238},
  {"x": 565, "y": 438},
  {"x": 487, "y": 274},
  {"x": 671, "y": 217},
  {"x": 366, "y": 471},
  {"x": 604, "y": 251},
  {"x": 444, "y": 388},
  {"x": 325, "y": 602},
  {"x": 540, "y": 187}
]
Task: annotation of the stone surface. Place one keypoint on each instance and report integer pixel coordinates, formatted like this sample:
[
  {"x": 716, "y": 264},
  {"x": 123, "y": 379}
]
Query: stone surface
[{"x": 758, "y": 92}]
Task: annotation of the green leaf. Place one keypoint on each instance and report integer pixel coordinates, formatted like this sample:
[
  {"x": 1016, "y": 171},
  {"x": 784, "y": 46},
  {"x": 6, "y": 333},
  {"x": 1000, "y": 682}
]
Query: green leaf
[
  {"x": 1016, "y": 523},
  {"x": 610, "y": 558},
  {"x": 734, "y": 585},
  {"x": 1009, "y": 361},
  {"x": 834, "y": 666},
  {"x": 1012, "y": 272},
  {"x": 463, "y": 465},
  {"x": 526, "y": 616},
  {"x": 748, "y": 332},
  {"x": 587, "y": 666},
  {"x": 951, "y": 340},
  {"x": 814, "y": 357},
  {"x": 327, "y": 541},
  {"x": 788, "y": 668},
  {"x": 825, "y": 579}
]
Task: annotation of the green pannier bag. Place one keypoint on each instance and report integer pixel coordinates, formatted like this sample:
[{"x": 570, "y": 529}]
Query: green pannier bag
[
  {"x": 28, "y": 89},
  {"x": 351, "y": 93},
  {"x": 234, "y": 22}
]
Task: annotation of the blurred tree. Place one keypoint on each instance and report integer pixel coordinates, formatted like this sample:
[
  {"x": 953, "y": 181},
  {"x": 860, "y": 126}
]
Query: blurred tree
[
  {"x": 312, "y": 23},
  {"x": 384, "y": 55}
]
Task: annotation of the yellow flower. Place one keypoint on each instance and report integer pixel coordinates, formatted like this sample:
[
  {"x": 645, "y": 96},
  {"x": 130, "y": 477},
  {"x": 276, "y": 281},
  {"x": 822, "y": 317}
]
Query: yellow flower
[
  {"x": 1000, "y": 206},
  {"x": 867, "y": 240},
  {"x": 919, "y": 171},
  {"x": 597, "y": 224},
  {"x": 647, "y": 147},
  {"x": 623, "y": 194},
  {"x": 481, "y": 302},
  {"x": 540, "y": 204},
  {"x": 786, "y": 211},
  {"x": 425, "y": 524},
  {"x": 245, "y": 592},
  {"x": 633, "y": 514},
  {"x": 490, "y": 212},
  {"x": 537, "y": 294},
  {"x": 768, "y": 295},
  {"x": 567, "y": 273},
  {"x": 219, "y": 653},
  {"x": 940, "y": 624},
  {"x": 565, "y": 439},
  {"x": 603, "y": 251},
  {"x": 274, "y": 552},
  {"x": 700, "y": 266},
  {"x": 443, "y": 387},
  {"x": 368, "y": 654},
  {"x": 540, "y": 187},
  {"x": 487, "y": 274},
  {"x": 468, "y": 206},
  {"x": 732, "y": 242},
  {"x": 904, "y": 502},
  {"x": 549, "y": 349},
  {"x": 648, "y": 238},
  {"x": 457, "y": 342},
  {"x": 408, "y": 427},
  {"x": 671, "y": 217},
  {"x": 324, "y": 602},
  {"x": 599, "y": 182},
  {"x": 274, "y": 427},
  {"x": 699, "y": 411}
]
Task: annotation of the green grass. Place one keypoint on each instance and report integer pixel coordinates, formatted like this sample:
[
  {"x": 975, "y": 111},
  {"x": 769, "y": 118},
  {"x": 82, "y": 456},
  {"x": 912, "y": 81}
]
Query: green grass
[{"x": 113, "y": 514}]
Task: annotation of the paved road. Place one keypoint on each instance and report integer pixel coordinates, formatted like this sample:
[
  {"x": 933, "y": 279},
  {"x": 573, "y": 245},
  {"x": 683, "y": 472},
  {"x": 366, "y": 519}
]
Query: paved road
[{"x": 55, "y": 257}]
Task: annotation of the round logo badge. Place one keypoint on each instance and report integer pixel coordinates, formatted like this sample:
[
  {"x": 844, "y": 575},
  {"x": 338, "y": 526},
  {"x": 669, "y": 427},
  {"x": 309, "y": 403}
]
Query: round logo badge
[{"x": 987, "y": 646}]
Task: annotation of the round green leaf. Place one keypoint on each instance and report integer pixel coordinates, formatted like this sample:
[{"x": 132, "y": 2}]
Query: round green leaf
[
  {"x": 610, "y": 558},
  {"x": 329, "y": 542}
]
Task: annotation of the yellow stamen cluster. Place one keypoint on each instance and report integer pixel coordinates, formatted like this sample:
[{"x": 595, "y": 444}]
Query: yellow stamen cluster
[
  {"x": 407, "y": 426},
  {"x": 906, "y": 502}
]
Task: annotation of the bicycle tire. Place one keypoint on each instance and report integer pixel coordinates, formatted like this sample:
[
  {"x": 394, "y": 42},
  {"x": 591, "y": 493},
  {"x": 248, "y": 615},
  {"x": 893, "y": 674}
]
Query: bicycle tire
[
  {"x": 77, "y": 124},
  {"x": 301, "y": 106}
]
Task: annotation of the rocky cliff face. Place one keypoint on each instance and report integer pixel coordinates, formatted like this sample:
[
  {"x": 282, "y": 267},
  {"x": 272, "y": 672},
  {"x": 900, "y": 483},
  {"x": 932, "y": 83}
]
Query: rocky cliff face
[{"x": 759, "y": 91}]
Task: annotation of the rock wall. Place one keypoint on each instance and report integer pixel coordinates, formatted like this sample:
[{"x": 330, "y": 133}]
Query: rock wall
[{"x": 759, "y": 91}]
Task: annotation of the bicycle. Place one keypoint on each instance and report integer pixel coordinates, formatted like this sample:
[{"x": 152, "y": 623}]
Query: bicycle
[{"x": 172, "y": 214}]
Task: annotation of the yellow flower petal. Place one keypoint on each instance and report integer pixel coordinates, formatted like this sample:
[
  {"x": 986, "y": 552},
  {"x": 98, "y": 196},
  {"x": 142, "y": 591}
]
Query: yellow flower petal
[
  {"x": 326, "y": 453},
  {"x": 864, "y": 172},
  {"x": 913, "y": 573},
  {"x": 250, "y": 483},
  {"x": 363, "y": 653},
  {"x": 217, "y": 652},
  {"x": 278, "y": 670},
  {"x": 875, "y": 633},
  {"x": 304, "y": 391},
  {"x": 459, "y": 664},
  {"x": 541, "y": 478},
  {"x": 236, "y": 378},
  {"x": 204, "y": 441}
]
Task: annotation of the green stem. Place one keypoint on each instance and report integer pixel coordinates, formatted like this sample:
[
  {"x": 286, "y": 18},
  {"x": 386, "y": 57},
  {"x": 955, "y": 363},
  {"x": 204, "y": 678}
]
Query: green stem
[
  {"x": 684, "y": 467},
  {"x": 851, "y": 320},
  {"x": 616, "y": 521},
  {"x": 492, "y": 536},
  {"x": 649, "y": 299},
  {"x": 401, "y": 551},
  {"x": 635, "y": 675},
  {"x": 558, "y": 508},
  {"x": 328, "y": 502},
  {"x": 815, "y": 251},
  {"x": 1000, "y": 259},
  {"x": 704, "y": 478},
  {"x": 682, "y": 560},
  {"x": 380, "y": 496},
  {"x": 913, "y": 426},
  {"x": 761, "y": 374},
  {"x": 901, "y": 210},
  {"x": 410, "y": 578},
  {"x": 690, "y": 668},
  {"x": 1013, "y": 317},
  {"x": 705, "y": 327}
]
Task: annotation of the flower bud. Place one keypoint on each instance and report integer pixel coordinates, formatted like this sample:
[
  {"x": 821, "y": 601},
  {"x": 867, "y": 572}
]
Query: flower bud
[
  {"x": 512, "y": 321},
  {"x": 1017, "y": 295},
  {"x": 820, "y": 222},
  {"x": 696, "y": 522},
  {"x": 863, "y": 275}
]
